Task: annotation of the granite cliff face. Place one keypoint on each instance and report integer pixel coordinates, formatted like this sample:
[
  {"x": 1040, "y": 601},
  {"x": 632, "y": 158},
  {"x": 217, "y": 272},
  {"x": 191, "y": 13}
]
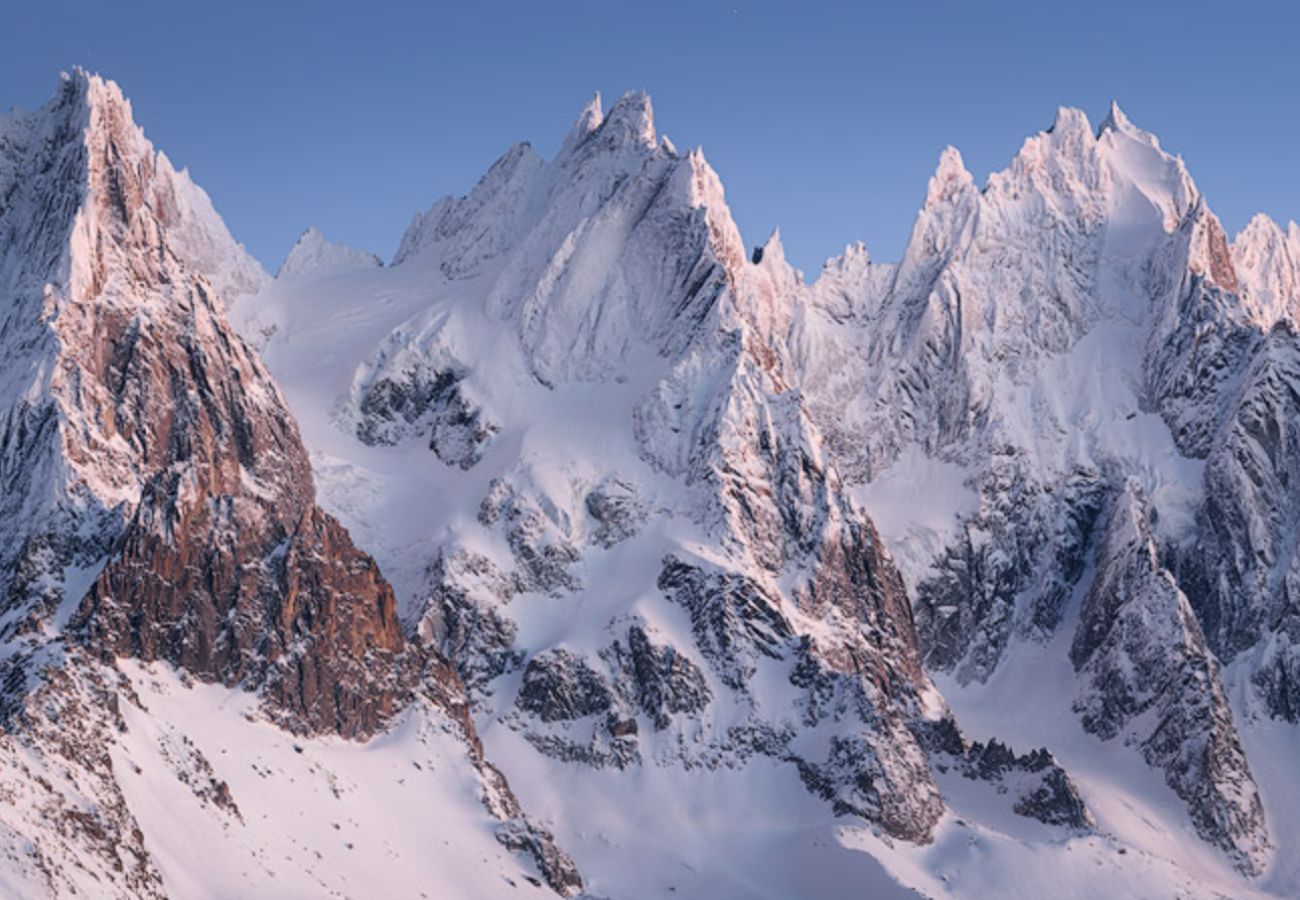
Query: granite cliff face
[
  {"x": 201, "y": 503},
  {"x": 1241, "y": 574},
  {"x": 1147, "y": 675}
]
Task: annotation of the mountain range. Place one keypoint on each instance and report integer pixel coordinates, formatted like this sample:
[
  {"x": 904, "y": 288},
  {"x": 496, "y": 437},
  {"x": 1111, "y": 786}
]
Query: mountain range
[{"x": 580, "y": 550}]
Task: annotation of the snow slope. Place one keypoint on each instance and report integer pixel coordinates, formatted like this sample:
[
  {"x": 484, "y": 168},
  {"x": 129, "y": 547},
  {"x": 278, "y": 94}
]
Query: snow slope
[{"x": 398, "y": 816}]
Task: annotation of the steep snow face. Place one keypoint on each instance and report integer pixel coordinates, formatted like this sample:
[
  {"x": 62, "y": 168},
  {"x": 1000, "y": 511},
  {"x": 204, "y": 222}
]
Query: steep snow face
[
  {"x": 140, "y": 783},
  {"x": 313, "y": 255},
  {"x": 580, "y": 252},
  {"x": 232, "y": 806}
]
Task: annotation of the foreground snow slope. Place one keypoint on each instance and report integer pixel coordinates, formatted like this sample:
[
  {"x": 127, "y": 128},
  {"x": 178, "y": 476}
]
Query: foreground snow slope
[{"x": 393, "y": 817}]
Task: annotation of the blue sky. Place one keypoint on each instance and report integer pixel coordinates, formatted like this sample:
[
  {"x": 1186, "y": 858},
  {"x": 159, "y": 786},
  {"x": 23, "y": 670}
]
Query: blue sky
[{"x": 822, "y": 119}]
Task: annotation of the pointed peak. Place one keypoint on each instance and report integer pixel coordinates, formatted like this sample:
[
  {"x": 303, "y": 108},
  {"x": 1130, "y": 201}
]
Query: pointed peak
[
  {"x": 1070, "y": 120},
  {"x": 98, "y": 103},
  {"x": 313, "y": 254},
  {"x": 590, "y": 119},
  {"x": 950, "y": 163},
  {"x": 632, "y": 120},
  {"x": 857, "y": 250},
  {"x": 772, "y": 252},
  {"x": 1115, "y": 120},
  {"x": 950, "y": 177},
  {"x": 854, "y": 258},
  {"x": 1260, "y": 225},
  {"x": 93, "y": 86},
  {"x": 1119, "y": 124},
  {"x": 592, "y": 114}
]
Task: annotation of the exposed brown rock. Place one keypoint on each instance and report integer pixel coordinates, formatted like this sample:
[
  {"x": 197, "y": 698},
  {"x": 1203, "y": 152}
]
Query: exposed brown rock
[{"x": 226, "y": 567}]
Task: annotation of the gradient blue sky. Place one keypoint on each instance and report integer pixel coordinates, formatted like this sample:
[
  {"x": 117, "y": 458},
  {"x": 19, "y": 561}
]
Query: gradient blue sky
[{"x": 823, "y": 119}]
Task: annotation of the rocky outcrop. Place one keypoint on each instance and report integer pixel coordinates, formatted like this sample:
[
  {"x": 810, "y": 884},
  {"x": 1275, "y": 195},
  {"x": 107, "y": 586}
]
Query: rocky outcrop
[
  {"x": 540, "y": 539},
  {"x": 655, "y": 679},
  {"x": 428, "y": 403},
  {"x": 1147, "y": 676},
  {"x": 618, "y": 510},
  {"x": 628, "y": 680},
  {"x": 1042, "y": 789},
  {"x": 1038, "y": 787},
  {"x": 559, "y": 686},
  {"x": 464, "y": 619},
  {"x": 733, "y": 619},
  {"x": 1014, "y": 568}
]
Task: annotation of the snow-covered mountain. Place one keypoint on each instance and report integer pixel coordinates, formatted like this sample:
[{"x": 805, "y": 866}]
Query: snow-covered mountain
[
  {"x": 159, "y": 507},
  {"x": 312, "y": 254},
  {"x": 966, "y": 575}
]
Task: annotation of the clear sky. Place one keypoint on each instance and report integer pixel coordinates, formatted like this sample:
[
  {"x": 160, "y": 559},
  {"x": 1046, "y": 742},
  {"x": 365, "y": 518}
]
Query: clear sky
[{"x": 823, "y": 119}]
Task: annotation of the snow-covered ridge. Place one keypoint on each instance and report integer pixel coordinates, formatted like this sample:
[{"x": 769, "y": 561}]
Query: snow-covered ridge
[{"x": 313, "y": 255}]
